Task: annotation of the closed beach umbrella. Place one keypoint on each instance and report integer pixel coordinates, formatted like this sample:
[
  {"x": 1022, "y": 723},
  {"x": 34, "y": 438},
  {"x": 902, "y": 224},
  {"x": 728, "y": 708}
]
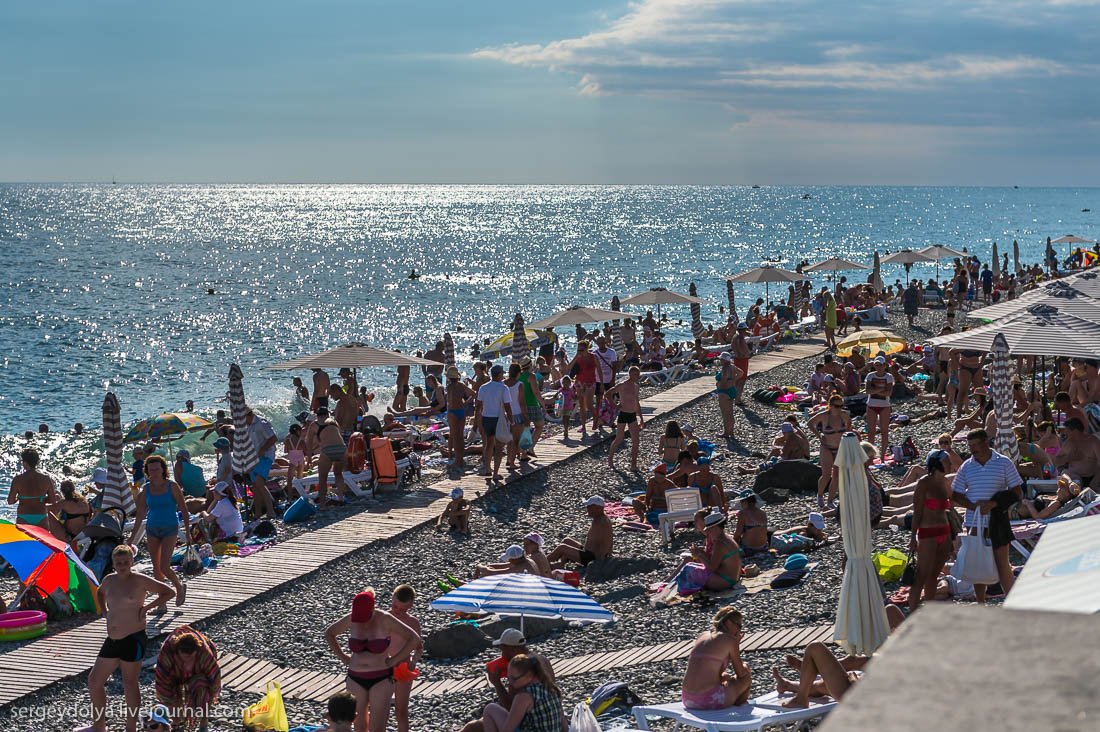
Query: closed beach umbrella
[
  {"x": 244, "y": 452},
  {"x": 696, "y": 314},
  {"x": 117, "y": 493},
  {"x": 876, "y": 281},
  {"x": 731, "y": 302},
  {"x": 996, "y": 267},
  {"x": 1000, "y": 387},
  {"x": 525, "y": 595},
  {"x": 1049, "y": 263},
  {"x": 617, "y": 340},
  {"x": 448, "y": 350},
  {"x": 520, "y": 346},
  {"x": 861, "y": 624},
  {"x": 1016, "y": 256}
]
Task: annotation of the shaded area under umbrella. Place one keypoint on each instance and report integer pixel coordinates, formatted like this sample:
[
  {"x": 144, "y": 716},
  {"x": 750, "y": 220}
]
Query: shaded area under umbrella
[
  {"x": 766, "y": 274},
  {"x": 861, "y": 623}
]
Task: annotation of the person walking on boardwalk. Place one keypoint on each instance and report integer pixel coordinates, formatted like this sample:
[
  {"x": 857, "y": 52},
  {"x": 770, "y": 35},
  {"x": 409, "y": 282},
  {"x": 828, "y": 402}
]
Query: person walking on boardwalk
[{"x": 630, "y": 417}]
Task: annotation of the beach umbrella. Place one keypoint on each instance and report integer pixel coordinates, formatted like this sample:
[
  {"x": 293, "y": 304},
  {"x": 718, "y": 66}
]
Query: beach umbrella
[
  {"x": 166, "y": 425},
  {"x": 696, "y": 314},
  {"x": 42, "y": 560},
  {"x": 503, "y": 343},
  {"x": 766, "y": 274},
  {"x": 660, "y": 296},
  {"x": 525, "y": 595},
  {"x": 908, "y": 258},
  {"x": 996, "y": 267},
  {"x": 352, "y": 356},
  {"x": 876, "y": 341},
  {"x": 1016, "y": 256},
  {"x": 617, "y": 340},
  {"x": 1000, "y": 389},
  {"x": 578, "y": 315},
  {"x": 1071, "y": 239},
  {"x": 1039, "y": 330},
  {"x": 834, "y": 265},
  {"x": 1060, "y": 294},
  {"x": 520, "y": 345},
  {"x": 861, "y": 624},
  {"x": 731, "y": 302},
  {"x": 448, "y": 350},
  {"x": 117, "y": 492},
  {"x": 244, "y": 451},
  {"x": 939, "y": 251}
]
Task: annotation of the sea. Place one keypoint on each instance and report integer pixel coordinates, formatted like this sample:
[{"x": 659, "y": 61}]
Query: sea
[{"x": 152, "y": 291}]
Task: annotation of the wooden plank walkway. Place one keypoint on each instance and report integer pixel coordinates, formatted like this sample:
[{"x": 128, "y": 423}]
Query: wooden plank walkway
[
  {"x": 72, "y": 652},
  {"x": 251, "y": 675}
]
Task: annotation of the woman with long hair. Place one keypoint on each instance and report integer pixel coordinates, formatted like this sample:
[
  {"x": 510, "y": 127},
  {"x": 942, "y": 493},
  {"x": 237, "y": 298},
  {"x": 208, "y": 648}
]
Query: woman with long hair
[
  {"x": 931, "y": 529},
  {"x": 157, "y": 505},
  {"x": 536, "y": 704},
  {"x": 707, "y": 683},
  {"x": 829, "y": 426}
]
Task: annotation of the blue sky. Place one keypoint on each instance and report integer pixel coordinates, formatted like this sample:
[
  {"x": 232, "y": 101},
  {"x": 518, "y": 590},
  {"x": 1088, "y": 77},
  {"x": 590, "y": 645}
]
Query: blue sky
[{"x": 653, "y": 91}]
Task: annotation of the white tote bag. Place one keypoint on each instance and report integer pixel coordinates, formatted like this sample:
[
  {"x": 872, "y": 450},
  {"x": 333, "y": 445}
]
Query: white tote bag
[
  {"x": 975, "y": 562},
  {"x": 504, "y": 429},
  {"x": 583, "y": 720}
]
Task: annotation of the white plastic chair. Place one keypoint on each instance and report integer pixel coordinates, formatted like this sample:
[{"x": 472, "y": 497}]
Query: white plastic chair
[{"x": 682, "y": 504}]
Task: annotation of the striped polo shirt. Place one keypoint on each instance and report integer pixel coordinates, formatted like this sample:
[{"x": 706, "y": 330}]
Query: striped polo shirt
[{"x": 980, "y": 482}]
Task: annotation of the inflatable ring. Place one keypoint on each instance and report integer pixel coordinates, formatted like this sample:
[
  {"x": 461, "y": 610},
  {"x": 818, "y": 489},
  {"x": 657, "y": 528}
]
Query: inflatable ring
[{"x": 22, "y": 625}]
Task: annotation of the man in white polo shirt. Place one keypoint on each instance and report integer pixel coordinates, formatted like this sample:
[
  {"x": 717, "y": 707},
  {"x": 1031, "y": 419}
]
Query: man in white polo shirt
[{"x": 983, "y": 475}]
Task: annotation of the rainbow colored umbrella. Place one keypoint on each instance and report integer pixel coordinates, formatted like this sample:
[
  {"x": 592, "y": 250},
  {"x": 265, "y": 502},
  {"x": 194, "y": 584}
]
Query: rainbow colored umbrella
[
  {"x": 166, "y": 425},
  {"x": 42, "y": 560}
]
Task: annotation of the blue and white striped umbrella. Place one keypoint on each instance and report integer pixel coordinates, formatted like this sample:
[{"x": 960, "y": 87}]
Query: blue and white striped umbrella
[{"x": 523, "y": 595}]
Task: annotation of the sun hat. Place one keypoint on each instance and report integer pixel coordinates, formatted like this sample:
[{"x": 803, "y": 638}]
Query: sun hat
[
  {"x": 726, "y": 356},
  {"x": 535, "y": 538},
  {"x": 786, "y": 427},
  {"x": 524, "y": 362},
  {"x": 220, "y": 487},
  {"x": 714, "y": 518},
  {"x": 817, "y": 521},
  {"x": 796, "y": 561},
  {"x": 183, "y": 455},
  {"x": 100, "y": 475},
  {"x": 515, "y": 551},
  {"x": 221, "y": 444},
  {"x": 457, "y": 493},
  {"x": 511, "y": 637},
  {"x": 594, "y": 501},
  {"x": 453, "y": 372}
]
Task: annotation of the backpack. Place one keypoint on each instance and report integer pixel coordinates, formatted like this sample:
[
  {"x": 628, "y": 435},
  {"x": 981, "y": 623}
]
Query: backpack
[{"x": 612, "y": 695}]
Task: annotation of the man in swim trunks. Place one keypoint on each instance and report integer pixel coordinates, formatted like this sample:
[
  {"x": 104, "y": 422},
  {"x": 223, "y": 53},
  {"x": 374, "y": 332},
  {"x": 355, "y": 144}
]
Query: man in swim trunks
[
  {"x": 630, "y": 416},
  {"x": 1080, "y": 453},
  {"x": 320, "y": 390},
  {"x": 742, "y": 351},
  {"x": 122, "y": 595},
  {"x": 597, "y": 545},
  {"x": 346, "y": 413},
  {"x": 264, "y": 441},
  {"x": 435, "y": 354}
]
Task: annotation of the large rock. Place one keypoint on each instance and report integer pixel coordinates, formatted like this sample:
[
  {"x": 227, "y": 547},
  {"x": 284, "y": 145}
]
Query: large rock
[
  {"x": 775, "y": 484},
  {"x": 533, "y": 628},
  {"x": 458, "y": 640},
  {"x": 605, "y": 570}
]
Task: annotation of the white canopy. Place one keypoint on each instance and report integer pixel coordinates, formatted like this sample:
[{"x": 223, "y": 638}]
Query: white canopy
[
  {"x": 939, "y": 251},
  {"x": 578, "y": 315},
  {"x": 1063, "y": 573},
  {"x": 352, "y": 356},
  {"x": 661, "y": 296},
  {"x": 835, "y": 264},
  {"x": 767, "y": 273},
  {"x": 907, "y": 256}
]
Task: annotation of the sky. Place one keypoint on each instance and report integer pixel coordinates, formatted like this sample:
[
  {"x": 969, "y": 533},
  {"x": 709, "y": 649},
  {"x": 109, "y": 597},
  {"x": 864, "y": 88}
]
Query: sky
[{"x": 935, "y": 92}]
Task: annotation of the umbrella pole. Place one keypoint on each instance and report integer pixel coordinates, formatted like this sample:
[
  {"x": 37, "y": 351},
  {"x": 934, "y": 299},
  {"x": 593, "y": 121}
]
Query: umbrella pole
[{"x": 28, "y": 584}]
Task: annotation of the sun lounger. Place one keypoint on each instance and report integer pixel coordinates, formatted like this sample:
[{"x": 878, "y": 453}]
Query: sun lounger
[
  {"x": 803, "y": 326},
  {"x": 758, "y": 714},
  {"x": 664, "y": 376},
  {"x": 763, "y": 343},
  {"x": 682, "y": 504}
]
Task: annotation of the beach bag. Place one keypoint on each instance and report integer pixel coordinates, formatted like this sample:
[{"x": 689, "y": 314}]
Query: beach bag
[
  {"x": 269, "y": 713},
  {"x": 583, "y": 720},
  {"x": 791, "y": 543},
  {"x": 975, "y": 562},
  {"x": 909, "y": 574},
  {"x": 300, "y": 510},
  {"x": 889, "y": 564},
  {"x": 526, "y": 442},
  {"x": 504, "y": 430},
  {"x": 192, "y": 562},
  {"x": 609, "y": 697}
]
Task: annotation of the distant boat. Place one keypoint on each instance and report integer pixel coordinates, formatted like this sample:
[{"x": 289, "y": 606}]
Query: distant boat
[{"x": 1086, "y": 210}]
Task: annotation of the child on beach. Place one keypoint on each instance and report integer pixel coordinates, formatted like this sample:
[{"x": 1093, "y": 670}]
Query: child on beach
[
  {"x": 138, "y": 468},
  {"x": 341, "y": 713},
  {"x": 295, "y": 448},
  {"x": 456, "y": 513},
  {"x": 568, "y": 400},
  {"x": 404, "y": 673}
]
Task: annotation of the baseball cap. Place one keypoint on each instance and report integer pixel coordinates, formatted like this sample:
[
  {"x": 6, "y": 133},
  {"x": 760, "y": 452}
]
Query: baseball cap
[
  {"x": 511, "y": 637},
  {"x": 515, "y": 551},
  {"x": 742, "y": 326},
  {"x": 221, "y": 444},
  {"x": 726, "y": 356},
  {"x": 535, "y": 538},
  {"x": 595, "y": 501},
  {"x": 817, "y": 521},
  {"x": 158, "y": 715},
  {"x": 786, "y": 427},
  {"x": 183, "y": 455},
  {"x": 880, "y": 359},
  {"x": 457, "y": 493},
  {"x": 100, "y": 475}
]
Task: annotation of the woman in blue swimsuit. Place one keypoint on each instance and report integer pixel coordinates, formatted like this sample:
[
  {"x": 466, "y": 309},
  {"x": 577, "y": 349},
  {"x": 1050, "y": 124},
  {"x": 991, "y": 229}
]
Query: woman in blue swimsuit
[
  {"x": 157, "y": 504},
  {"x": 726, "y": 389}
]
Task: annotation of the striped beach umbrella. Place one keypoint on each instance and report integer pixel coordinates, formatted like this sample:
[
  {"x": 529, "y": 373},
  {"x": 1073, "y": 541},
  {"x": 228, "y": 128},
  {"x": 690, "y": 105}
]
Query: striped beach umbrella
[
  {"x": 117, "y": 493},
  {"x": 996, "y": 266},
  {"x": 1016, "y": 256},
  {"x": 525, "y": 595},
  {"x": 244, "y": 452},
  {"x": 448, "y": 350},
  {"x": 520, "y": 346},
  {"x": 696, "y": 313},
  {"x": 1000, "y": 389},
  {"x": 616, "y": 330},
  {"x": 731, "y": 302}
]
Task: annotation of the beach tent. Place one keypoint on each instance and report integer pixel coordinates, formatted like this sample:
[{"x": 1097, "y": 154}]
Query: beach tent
[
  {"x": 908, "y": 258},
  {"x": 1063, "y": 572},
  {"x": 578, "y": 315},
  {"x": 352, "y": 356},
  {"x": 766, "y": 274},
  {"x": 861, "y": 624},
  {"x": 660, "y": 296},
  {"x": 525, "y": 595},
  {"x": 117, "y": 493},
  {"x": 1059, "y": 293},
  {"x": 1040, "y": 330}
]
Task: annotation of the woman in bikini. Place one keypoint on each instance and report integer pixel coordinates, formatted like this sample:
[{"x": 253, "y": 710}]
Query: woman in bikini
[
  {"x": 932, "y": 532},
  {"x": 829, "y": 426},
  {"x": 32, "y": 490},
  {"x": 726, "y": 388},
  {"x": 751, "y": 530},
  {"x": 71, "y": 513},
  {"x": 671, "y": 443},
  {"x": 585, "y": 364},
  {"x": 333, "y": 456},
  {"x": 295, "y": 448},
  {"x": 707, "y": 684},
  {"x": 720, "y": 554},
  {"x": 970, "y": 377},
  {"x": 879, "y": 385},
  {"x": 377, "y": 642}
]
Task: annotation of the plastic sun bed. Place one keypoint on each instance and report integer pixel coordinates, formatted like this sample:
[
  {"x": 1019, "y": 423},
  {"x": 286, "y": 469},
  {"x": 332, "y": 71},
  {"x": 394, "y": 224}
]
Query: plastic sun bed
[{"x": 758, "y": 714}]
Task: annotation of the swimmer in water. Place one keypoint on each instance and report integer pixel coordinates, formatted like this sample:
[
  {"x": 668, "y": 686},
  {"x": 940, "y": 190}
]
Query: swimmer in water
[{"x": 413, "y": 275}]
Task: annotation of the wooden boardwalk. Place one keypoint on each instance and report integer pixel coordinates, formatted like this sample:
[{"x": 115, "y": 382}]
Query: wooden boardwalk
[
  {"x": 72, "y": 652},
  {"x": 240, "y": 673}
]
